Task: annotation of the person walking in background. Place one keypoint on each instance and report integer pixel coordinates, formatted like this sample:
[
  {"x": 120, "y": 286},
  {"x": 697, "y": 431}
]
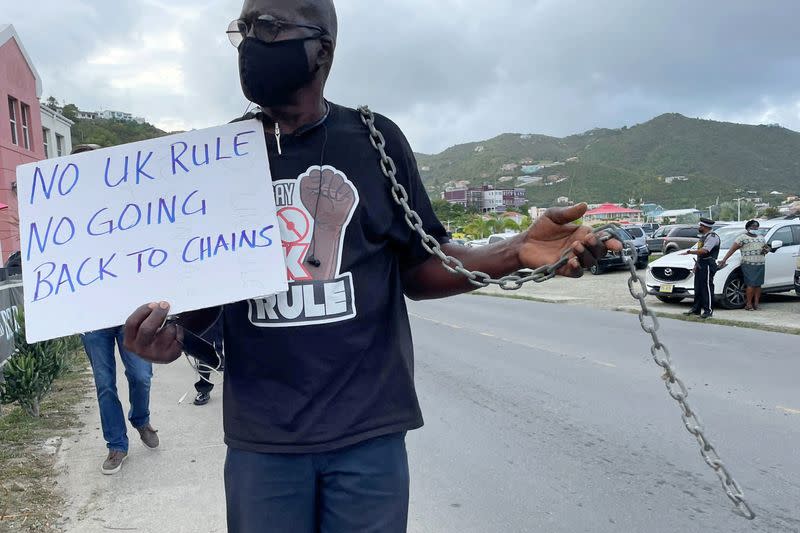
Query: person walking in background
[
  {"x": 205, "y": 384},
  {"x": 754, "y": 251},
  {"x": 707, "y": 252},
  {"x": 99, "y": 346}
]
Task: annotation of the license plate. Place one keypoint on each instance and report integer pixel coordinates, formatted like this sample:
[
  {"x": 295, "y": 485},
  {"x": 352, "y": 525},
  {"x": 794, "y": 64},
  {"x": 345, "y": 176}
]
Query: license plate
[{"x": 667, "y": 288}]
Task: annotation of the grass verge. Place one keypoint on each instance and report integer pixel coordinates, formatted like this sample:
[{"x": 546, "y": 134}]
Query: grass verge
[{"x": 29, "y": 499}]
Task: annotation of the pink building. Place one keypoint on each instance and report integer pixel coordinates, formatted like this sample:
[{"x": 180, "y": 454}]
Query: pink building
[{"x": 20, "y": 129}]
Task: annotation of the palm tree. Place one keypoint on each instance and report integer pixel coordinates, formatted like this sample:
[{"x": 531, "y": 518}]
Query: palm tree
[
  {"x": 510, "y": 224},
  {"x": 479, "y": 228}
]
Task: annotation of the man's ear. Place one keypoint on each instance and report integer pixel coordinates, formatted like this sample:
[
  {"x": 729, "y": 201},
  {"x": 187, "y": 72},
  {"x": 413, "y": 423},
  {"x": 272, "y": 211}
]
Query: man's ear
[{"x": 325, "y": 54}]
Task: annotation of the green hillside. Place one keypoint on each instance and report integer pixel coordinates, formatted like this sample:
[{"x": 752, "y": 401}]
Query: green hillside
[
  {"x": 112, "y": 132},
  {"x": 716, "y": 158}
]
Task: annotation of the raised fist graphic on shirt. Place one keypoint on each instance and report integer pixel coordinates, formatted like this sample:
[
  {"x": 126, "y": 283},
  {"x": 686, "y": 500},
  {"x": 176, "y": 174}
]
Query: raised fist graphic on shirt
[{"x": 330, "y": 199}]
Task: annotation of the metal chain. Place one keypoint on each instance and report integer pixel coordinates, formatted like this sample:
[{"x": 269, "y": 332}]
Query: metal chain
[
  {"x": 661, "y": 355},
  {"x": 679, "y": 392},
  {"x": 450, "y": 263}
]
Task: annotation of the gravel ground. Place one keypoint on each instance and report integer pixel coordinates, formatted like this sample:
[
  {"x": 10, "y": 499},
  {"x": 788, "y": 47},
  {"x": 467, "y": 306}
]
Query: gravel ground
[{"x": 610, "y": 291}]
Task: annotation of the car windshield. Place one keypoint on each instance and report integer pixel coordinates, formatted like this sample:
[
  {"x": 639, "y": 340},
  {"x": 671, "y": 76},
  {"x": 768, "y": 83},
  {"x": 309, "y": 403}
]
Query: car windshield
[
  {"x": 728, "y": 235},
  {"x": 636, "y": 232},
  {"x": 623, "y": 234}
]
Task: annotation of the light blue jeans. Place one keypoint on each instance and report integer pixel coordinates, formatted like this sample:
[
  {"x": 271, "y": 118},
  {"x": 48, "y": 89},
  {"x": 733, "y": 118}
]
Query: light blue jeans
[{"x": 99, "y": 347}]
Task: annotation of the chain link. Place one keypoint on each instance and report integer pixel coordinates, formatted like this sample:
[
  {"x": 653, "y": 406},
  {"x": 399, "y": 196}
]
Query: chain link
[
  {"x": 636, "y": 284},
  {"x": 450, "y": 263},
  {"x": 679, "y": 392}
]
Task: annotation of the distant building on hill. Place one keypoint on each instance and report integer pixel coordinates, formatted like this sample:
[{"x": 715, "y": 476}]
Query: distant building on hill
[
  {"x": 86, "y": 115},
  {"x": 109, "y": 115},
  {"x": 672, "y": 179},
  {"x": 486, "y": 198},
  {"x": 456, "y": 196}
]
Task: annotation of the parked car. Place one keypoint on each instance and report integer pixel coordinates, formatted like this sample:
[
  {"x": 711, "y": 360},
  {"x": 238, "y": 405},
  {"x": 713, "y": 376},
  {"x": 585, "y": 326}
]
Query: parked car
[
  {"x": 638, "y": 234},
  {"x": 670, "y": 278},
  {"x": 683, "y": 239},
  {"x": 656, "y": 241},
  {"x": 497, "y": 237},
  {"x": 680, "y": 237},
  {"x": 615, "y": 259},
  {"x": 650, "y": 228},
  {"x": 477, "y": 242}
]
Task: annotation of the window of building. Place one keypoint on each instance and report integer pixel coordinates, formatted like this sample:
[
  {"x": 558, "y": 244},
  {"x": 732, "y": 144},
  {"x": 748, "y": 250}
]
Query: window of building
[
  {"x": 26, "y": 122},
  {"x": 12, "y": 113},
  {"x": 59, "y": 145},
  {"x": 46, "y": 142}
]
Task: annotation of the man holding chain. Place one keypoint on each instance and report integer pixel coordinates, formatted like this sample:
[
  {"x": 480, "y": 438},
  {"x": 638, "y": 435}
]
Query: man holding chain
[{"x": 319, "y": 383}]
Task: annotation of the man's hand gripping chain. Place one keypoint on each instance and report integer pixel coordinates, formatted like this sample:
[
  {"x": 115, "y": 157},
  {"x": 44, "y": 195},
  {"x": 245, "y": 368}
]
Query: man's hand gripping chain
[{"x": 661, "y": 355}]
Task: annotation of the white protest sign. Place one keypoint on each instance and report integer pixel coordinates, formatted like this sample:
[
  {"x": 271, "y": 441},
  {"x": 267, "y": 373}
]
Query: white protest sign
[{"x": 189, "y": 219}]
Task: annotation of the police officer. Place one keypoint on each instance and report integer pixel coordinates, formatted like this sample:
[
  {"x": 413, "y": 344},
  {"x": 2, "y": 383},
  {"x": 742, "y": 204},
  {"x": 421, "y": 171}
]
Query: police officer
[{"x": 707, "y": 252}]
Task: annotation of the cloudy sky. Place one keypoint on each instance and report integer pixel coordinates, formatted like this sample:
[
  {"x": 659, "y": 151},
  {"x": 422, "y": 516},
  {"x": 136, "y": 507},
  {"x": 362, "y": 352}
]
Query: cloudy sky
[{"x": 448, "y": 71}]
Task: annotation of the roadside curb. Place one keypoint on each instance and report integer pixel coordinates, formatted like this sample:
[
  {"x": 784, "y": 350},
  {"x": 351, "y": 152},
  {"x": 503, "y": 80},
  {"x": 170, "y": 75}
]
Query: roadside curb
[
  {"x": 718, "y": 321},
  {"x": 660, "y": 314}
]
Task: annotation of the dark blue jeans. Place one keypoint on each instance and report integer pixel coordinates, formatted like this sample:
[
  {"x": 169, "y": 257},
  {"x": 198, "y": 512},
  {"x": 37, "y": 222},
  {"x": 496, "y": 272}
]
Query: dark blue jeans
[
  {"x": 99, "y": 347},
  {"x": 359, "y": 489}
]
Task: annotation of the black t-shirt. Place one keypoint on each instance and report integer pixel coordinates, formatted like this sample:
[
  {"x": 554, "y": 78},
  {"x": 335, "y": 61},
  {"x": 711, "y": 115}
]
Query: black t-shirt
[{"x": 330, "y": 363}]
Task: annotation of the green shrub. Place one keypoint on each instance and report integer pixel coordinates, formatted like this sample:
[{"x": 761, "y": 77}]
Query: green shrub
[{"x": 32, "y": 368}]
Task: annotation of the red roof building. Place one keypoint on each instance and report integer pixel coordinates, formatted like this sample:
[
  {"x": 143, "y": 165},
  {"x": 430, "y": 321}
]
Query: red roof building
[{"x": 613, "y": 213}]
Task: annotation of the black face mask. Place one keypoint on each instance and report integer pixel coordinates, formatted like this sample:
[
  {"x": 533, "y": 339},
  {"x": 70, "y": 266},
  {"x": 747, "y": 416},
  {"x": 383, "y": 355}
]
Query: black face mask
[{"x": 272, "y": 72}]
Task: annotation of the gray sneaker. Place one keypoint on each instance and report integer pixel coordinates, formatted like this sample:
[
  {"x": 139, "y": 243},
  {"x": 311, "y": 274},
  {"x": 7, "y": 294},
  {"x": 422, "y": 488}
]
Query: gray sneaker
[
  {"x": 149, "y": 436},
  {"x": 113, "y": 462}
]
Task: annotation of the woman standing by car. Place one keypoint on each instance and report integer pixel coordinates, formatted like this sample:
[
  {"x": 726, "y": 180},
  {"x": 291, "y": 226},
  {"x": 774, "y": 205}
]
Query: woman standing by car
[{"x": 754, "y": 249}]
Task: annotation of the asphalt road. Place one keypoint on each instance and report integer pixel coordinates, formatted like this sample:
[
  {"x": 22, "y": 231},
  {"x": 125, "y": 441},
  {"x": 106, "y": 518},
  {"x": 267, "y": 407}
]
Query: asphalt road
[
  {"x": 539, "y": 418},
  {"x": 554, "y": 418}
]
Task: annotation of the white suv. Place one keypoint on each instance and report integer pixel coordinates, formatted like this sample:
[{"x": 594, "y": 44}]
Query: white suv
[{"x": 670, "y": 278}]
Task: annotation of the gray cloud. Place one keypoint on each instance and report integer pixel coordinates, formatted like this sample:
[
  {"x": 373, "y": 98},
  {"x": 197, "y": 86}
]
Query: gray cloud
[{"x": 449, "y": 71}]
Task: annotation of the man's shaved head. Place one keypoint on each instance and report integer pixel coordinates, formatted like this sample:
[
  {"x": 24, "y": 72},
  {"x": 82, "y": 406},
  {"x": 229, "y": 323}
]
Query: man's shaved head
[{"x": 320, "y": 13}]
